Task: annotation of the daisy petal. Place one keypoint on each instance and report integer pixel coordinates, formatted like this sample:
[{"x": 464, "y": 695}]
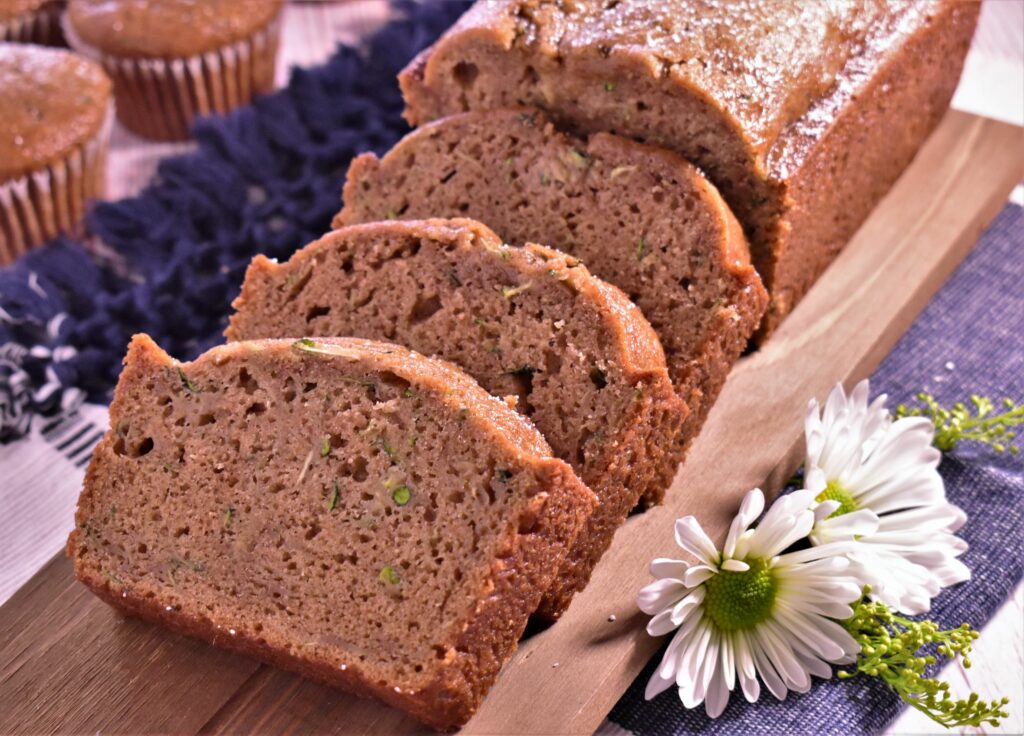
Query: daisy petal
[
  {"x": 745, "y": 669},
  {"x": 697, "y": 575},
  {"x": 661, "y": 624},
  {"x": 657, "y": 685},
  {"x": 750, "y": 509},
  {"x": 653, "y": 598},
  {"x": 663, "y": 567},
  {"x": 889, "y": 469},
  {"x": 766, "y": 670},
  {"x": 735, "y": 566},
  {"x": 687, "y": 606},
  {"x": 717, "y": 694},
  {"x": 691, "y": 537}
]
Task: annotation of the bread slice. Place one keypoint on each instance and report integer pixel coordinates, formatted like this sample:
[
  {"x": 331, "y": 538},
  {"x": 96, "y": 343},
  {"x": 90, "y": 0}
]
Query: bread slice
[
  {"x": 802, "y": 113},
  {"x": 349, "y": 510},
  {"x": 529, "y": 322},
  {"x": 639, "y": 217}
]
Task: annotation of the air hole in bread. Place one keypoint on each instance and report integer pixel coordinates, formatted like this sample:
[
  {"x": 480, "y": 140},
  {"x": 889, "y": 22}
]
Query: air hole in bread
[
  {"x": 246, "y": 382},
  {"x": 317, "y": 311},
  {"x": 465, "y": 74},
  {"x": 143, "y": 448},
  {"x": 425, "y": 308}
]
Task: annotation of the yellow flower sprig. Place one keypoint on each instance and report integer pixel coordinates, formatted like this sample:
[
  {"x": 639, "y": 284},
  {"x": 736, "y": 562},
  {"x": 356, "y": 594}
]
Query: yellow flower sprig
[
  {"x": 960, "y": 424},
  {"x": 893, "y": 649}
]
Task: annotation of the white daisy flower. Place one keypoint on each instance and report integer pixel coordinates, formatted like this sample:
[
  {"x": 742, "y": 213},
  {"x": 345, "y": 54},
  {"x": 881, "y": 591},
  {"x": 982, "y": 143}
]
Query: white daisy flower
[
  {"x": 749, "y": 610},
  {"x": 868, "y": 462}
]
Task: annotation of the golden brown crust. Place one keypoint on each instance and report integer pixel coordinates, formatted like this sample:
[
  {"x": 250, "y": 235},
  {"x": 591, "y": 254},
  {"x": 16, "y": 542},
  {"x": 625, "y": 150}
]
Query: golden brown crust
[
  {"x": 164, "y": 80},
  {"x": 454, "y": 387},
  {"x": 51, "y": 103},
  {"x": 532, "y": 550},
  {"x": 761, "y": 64},
  {"x": 634, "y": 340},
  {"x": 370, "y": 178},
  {"x": 168, "y": 29},
  {"x": 517, "y": 582}
]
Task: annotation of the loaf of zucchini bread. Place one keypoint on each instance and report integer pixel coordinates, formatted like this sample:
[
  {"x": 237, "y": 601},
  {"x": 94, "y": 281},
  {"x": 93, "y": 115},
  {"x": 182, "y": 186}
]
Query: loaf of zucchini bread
[
  {"x": 802, "y": 113},
  {"x": 532, "y": 323},
  {"x": 640, "y": 217},
  {"x": 346, "y": 509}
]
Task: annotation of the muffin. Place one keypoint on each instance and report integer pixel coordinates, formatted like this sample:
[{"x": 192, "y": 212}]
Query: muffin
[
  {"x": 31, "y": 21},
  {"x": 174, "y": 60},
  {"x": 55, "y": 115}
]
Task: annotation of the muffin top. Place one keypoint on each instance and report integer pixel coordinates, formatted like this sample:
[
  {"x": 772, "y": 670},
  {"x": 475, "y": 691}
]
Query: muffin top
[
  {"x": 10, "y": 9},
  {"x": 167, "y": 29},
  {"x": 50, "y": 102}
]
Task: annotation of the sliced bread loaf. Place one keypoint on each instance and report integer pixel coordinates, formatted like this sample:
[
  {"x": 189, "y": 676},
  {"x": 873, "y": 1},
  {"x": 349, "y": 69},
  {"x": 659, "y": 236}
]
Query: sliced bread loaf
[
  {"x": 802, "y": 113},
  {"x": 346, "y": 509},
  {"x": 639, "y": 217},
  {"x": 529, "y": 322}
]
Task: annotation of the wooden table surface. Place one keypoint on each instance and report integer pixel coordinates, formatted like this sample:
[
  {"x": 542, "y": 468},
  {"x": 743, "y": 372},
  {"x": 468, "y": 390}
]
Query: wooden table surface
[{"x": 311, "y": 31}]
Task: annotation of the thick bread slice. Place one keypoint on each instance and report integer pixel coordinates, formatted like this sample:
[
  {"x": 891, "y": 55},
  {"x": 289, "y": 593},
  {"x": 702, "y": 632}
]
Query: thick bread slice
[
  {"x": 531, "y": 322},
  {"x": 640, "y": 217},
  {"x": 345, "y": 509},
  {"x": 802, "y": 113}
]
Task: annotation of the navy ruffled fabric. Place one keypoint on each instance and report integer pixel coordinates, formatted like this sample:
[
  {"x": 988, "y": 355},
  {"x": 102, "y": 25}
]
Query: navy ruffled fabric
[{"x": 265, "y": 179}]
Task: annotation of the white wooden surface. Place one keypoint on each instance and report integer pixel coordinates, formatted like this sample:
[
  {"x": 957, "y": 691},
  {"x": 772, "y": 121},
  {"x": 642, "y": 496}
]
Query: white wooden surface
[{"x": 993, "y": 85}]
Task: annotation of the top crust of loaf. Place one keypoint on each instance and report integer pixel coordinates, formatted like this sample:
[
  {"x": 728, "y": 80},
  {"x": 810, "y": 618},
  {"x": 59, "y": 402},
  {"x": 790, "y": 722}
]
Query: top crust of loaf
[
  {"x": 160, "y": 480},
  {"x": 757, "y": 66}
]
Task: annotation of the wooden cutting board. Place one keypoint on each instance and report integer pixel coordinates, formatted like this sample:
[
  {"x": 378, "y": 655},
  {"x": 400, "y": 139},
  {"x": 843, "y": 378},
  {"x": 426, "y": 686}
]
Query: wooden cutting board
[{"x": 69, "y": 663}]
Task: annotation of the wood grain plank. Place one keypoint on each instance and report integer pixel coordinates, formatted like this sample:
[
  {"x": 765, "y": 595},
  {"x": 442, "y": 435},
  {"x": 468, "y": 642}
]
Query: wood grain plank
[{"x": 68, "y": 663}]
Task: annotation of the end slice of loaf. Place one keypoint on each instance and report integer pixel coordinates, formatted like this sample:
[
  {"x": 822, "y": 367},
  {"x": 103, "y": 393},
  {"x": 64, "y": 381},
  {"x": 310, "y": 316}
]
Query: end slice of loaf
[
  {"x": 640, "y": 217},
  {"x": 529, "y": 322},
  {"x": 349, "y": 510}
]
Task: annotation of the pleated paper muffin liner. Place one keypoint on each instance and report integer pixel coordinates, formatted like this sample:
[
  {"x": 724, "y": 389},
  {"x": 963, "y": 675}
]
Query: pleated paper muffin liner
[
  {"x": 160, "y": 98},
  {"x": 52, "y": 199},
  {"x": 41, "y": 26}
]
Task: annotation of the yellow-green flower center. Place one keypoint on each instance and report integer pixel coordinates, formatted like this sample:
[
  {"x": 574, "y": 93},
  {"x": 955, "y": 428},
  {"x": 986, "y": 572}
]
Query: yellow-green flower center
[
  {"x": 741, "y": 600},
  {"x": 835, "y": 492}
]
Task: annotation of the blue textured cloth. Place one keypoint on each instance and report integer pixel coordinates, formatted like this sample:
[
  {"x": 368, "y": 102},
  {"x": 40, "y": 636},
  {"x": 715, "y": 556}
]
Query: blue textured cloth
[{"x": 969, "y": 339}]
